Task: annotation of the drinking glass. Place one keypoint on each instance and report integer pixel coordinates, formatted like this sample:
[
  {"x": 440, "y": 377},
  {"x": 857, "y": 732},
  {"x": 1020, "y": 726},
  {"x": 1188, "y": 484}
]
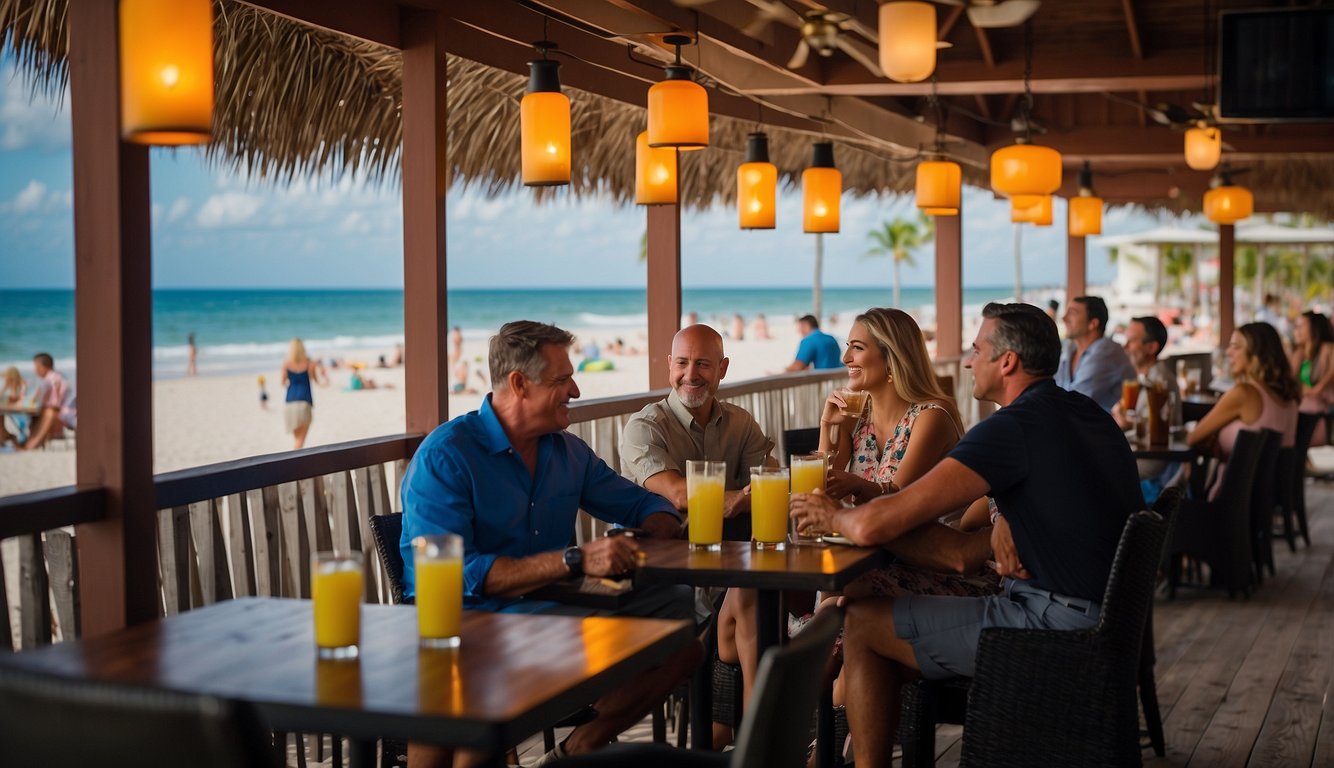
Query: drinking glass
[
  {"x": 809, "y": 472},
  {"x": 1158, "y": 416},
  {"x": 705, "y": 481},
  {"x": 438, "y": 564},
  {"x": 335, "y": 589},
  {"x": 854, "y": 401},
  {"x": 1129, "y": 395},
  {"x": 769, "y": 507}
]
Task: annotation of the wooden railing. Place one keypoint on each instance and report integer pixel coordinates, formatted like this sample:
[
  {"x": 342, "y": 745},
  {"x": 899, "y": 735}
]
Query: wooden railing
[{"x": 247, "y": 527}]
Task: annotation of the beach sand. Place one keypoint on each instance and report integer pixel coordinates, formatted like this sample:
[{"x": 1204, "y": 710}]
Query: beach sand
[{"x": 204, "y": 420}]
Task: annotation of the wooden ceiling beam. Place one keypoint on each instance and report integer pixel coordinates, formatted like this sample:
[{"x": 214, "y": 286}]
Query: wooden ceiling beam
[
  {"x": 984, "y": 44},
  {"x": 1132, "y": 29},
  {"x": 1128, "y": 144}
]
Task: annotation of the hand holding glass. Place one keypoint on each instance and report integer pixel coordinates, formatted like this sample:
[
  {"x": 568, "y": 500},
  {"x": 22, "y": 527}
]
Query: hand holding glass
[
  {"x": 809, "y": 473},
  {"x": 335, "y": 590},
  {"x": 704, "y": 490},
  {"x": 438, "y": 564}
]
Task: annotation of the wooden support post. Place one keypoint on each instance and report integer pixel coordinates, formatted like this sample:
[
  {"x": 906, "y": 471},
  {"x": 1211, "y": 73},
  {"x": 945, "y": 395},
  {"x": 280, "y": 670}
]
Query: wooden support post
[
  {"x": 664, "y": 287},
  {"x": 1227, "y": 274},
  {"x": 1076, "y": 267},
  {"x": 425, "y": 310},
  {"x": 949, "y": 285},
  {"x": 113, "y": 331}
]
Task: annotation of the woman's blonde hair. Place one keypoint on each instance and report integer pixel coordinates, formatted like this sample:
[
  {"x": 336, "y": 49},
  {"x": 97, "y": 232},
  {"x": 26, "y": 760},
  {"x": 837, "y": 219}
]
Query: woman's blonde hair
[
  {"x": 901, "y": 342},
  {"x": 296, "y": 352},
  {"x": 13, "y": 379}
]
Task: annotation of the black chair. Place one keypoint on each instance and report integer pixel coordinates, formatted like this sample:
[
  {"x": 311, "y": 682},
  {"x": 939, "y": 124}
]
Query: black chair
[
  {"x": 1110, "y": 652},
  {"x": 58, "y": 722},
  {"x": 1217, "y": 532},
  {"x": 1264, "y": 500},
  {"x": 777, "y": 725},
  {"x": 1167, "y": 505},
  {"x": 1044, "y": 697},
  {"x": 387, "y": 530},
  {"x": 800, "y": 441},
  {"x": 1292, "y": 481}
]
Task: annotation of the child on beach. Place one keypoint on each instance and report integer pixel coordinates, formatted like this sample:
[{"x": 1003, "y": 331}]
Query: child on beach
[{"x": 263, "y": 394}]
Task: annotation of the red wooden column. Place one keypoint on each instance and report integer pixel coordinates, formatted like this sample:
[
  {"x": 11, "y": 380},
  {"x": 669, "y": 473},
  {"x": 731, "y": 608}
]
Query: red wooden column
[
  {"x": 949, "y": 285},
  {"x": 1227, "y": 312},
  {"x": 1076, "y": 267},
  {"x": 664, "y": 287},
  {"x": 113, "y": 332},
  {"x": 425, "y": 302}
]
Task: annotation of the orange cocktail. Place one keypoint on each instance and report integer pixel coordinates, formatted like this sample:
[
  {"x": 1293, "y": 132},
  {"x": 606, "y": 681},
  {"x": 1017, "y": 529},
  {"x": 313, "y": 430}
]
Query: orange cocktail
[
  {"x": 336, "y": 587},
  {"x": 437, "y": 564},
  {"x": 705, "y": 481},
  {"x": 768, "y": 507},
  {"x": 1129, "y": 395}
]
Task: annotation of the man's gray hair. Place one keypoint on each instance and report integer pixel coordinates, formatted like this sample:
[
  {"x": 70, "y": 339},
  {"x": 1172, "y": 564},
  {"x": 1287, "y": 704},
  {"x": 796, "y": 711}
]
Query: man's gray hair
[
  {"x": 1029, "y": 333},
  {"x": 518, "y": 347}
]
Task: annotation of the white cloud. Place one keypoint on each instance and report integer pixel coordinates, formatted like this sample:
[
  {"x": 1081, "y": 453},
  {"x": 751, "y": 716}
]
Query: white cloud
[
  {"x": 227, "y": 209},
  {"x": 355, "y": 223},
  {"x": 178, "y": 209},
  {"x": 30, "y": 120},
  {"x": 30, "y": 198}
]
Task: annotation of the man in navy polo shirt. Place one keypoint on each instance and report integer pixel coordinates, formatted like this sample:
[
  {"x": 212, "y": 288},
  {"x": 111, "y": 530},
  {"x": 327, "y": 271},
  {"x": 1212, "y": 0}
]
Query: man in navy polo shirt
[{"x": 1064, "y": 483}]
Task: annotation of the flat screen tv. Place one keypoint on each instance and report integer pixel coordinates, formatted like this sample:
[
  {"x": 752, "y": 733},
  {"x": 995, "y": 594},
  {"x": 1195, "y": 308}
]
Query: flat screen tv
[{"x": 1277, "y": 65}]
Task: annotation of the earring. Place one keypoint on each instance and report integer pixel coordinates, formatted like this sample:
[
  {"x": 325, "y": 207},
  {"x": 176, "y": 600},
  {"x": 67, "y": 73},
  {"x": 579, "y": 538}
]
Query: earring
[{"x": 889, "y": 379}]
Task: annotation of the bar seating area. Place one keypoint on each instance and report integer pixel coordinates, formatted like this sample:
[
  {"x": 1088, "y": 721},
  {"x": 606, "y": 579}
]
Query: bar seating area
[{"x": 173, "y": 610}]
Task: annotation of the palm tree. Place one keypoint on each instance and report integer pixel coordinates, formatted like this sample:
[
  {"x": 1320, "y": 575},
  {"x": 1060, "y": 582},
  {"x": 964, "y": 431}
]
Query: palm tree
[{"x": 897, "y": 239}]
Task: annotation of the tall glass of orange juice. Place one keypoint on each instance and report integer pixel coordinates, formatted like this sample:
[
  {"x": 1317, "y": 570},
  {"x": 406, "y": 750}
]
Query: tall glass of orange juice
[
  {"x": 768, "y": 507},
  {"x": 704, "y": 489},
  {"x": 335, "y": 589},
  {"x": 809, "y": 472},
  {"x": 438, "y": 564}
]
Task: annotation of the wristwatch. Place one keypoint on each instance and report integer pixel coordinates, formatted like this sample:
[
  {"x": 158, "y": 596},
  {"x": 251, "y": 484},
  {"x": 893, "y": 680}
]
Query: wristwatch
[{"x": 574, "y": 560}]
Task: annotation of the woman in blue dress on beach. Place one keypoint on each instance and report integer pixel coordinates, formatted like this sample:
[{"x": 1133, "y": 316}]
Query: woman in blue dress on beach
[{"x": 299, "y": 372}]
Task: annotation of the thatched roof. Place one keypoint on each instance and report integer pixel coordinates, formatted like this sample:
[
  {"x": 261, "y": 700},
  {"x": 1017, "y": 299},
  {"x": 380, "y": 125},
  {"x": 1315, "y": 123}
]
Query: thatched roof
[{"x": 294, "y": 100}]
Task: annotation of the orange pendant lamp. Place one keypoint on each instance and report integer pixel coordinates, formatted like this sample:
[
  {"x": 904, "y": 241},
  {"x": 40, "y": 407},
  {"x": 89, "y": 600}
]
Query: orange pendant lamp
[
  {"x": 1204, "y": 147},
  {"x": 822, "y": 190},
  {"x": 678, "y": 107},
  {"x": 1227, "y": 203},
  {"x": 544, "y": 126},
  {"x": 1085, "y": 211},
  {"x": 908, "y": 41},
  {"x": 655, "y": 173},
  {"x": 757, "y": 185},
  {"x": 938, "y": 184},
  {"x": 1039, "y": 214},
  {"x": 1025, "y": 169},
  {"x": 166, "y": 71}
]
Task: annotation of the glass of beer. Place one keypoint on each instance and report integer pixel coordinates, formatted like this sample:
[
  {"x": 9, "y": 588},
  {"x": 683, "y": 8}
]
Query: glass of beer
[
  {"x": 437, "y": 562},
  {"x": 809, "y": 473},
  {"x": 854, "y": 401},
  {"x": 1129, "y": 395},
  {"x": 336, "y": 587},
  {"x": 705, "y": 481},
  {"x": 769, "y": 507}
]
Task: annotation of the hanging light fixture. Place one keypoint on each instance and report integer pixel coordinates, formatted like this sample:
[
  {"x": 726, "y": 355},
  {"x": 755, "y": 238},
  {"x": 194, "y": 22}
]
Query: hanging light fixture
[
  {"x": 544, "y": 124},
  {"x": 822, "y": 190},
  {"x": 908, "y": 41},
  {"x": 166, "y": 71},
  {"x": 678, "y": 107},
  {"x": 655, "y": 173},
  {"x": 1227, "y": 203},
  {"x": 757, "y": 185},
  {"x": 1204, "y": 147},
  {"x": 1084, "y": 214},
  {"x": 938, "y": 181},
  {"x": 1024, "y": 168},
  {"x": 1038, "y": 214}
]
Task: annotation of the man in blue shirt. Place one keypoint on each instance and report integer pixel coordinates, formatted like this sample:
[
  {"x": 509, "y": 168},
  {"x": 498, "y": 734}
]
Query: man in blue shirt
[
  {"x": 510, "y": 481},
  {"x": 817, "y": 349},
  {"x": 1091, "y": 363},
  {"x": 1060, "y": 519}
]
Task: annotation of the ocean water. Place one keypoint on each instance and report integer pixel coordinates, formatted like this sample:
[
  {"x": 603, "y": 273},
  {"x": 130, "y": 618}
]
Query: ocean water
[{"x": 249, "y": 330}]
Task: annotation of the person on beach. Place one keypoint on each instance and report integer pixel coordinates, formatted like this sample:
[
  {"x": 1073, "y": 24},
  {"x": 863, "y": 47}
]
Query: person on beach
[
  {"x": 192, "y": 355},
  {"x": 455, "y": 345},
  {"x": 1091, "y": 363},
  {"x": 263, "y": 394},
  {"x": 55, "y": 397},
  {"x": 299, "y": 372},
  {"x": 817, "y": 349},
  {"x": 12, "y": 394},
  {"x": 759, "y": 329},
  {"x": 1312, "y": 361},
  {"x": 1033, "y": 457},
  {"x": 738, "y": 328},
  {"x": 510, "y": 480}
]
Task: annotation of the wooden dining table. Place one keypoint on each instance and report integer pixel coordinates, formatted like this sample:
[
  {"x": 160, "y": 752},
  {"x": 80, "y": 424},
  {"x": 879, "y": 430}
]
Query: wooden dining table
[
  {"x": 822, "y": 567},
  {"x": 512, "y": 675}
]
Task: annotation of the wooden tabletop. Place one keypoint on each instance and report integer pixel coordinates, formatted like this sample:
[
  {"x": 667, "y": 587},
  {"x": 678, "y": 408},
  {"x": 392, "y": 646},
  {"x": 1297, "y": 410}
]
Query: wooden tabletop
[
  {"x": 739, "y": 564},
  {"x": 512, "y": 676},
  {"x": 19, "y": 410},
  {"x": 1175, "y": 450}
]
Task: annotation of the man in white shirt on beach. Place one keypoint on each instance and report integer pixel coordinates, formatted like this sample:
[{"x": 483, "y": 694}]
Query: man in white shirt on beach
[{"x": 55, "y": 398}]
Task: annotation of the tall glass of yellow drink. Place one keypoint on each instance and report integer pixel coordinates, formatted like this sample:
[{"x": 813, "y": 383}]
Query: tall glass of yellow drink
[
  {"x": 336, "y": 587},
  {"x": 704, "y": 489},
  {"x": 809, "y": 472},
  {"x": 438, "y": 564},
  {"x": 768, "y": 507}
]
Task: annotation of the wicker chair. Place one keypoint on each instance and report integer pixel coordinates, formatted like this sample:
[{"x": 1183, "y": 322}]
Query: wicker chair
[
  {"x": 1218, "y": 531},
  {"x": 1292, "y": 481},
  {"x": 57, "y": 723},
  {"x": 387, "y": 530},
  {"x": 1068, "y": 698},
  {"x": 1167, "y": 506},
  {"x": 1264, "y": 500}
]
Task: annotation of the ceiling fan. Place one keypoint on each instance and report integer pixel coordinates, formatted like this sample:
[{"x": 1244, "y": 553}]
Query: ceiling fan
[
  {"x": 825, "y": 32},
  {"x": 991, "y": 14}
]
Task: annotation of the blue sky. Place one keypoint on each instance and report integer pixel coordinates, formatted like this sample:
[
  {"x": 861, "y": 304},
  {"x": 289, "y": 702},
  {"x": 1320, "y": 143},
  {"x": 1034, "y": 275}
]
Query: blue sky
[{"x": 214, "y": 228}]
